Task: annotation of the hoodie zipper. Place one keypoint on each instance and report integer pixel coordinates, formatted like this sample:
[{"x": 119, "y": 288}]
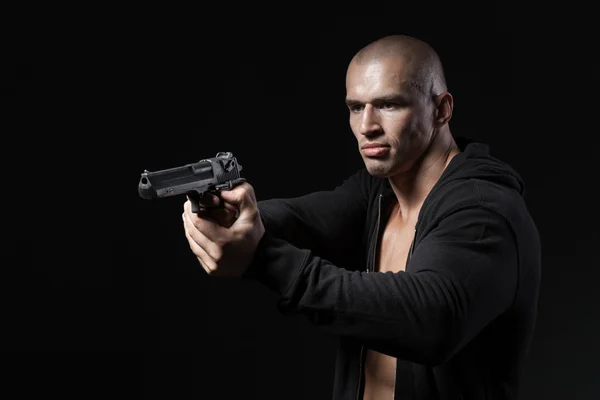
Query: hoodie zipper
[{"x": 362, "y": 348}]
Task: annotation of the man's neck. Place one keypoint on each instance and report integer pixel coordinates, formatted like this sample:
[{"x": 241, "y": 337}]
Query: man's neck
[{"x": 412, "y": 187}]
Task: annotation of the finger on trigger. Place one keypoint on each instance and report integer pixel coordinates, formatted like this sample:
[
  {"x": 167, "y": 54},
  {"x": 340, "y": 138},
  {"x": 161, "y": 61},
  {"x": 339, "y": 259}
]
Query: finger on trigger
[
  {"x": 209, "y": 200},
  {"x": 234, "y": 197},
  {"x": 230, "y": 207}
]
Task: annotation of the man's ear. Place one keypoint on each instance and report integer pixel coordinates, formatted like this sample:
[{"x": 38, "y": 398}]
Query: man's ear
[{"x": 444, "y": 104}]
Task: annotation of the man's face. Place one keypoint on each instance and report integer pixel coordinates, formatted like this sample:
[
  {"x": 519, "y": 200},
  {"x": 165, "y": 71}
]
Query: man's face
[{"x": 386, "y": 109}]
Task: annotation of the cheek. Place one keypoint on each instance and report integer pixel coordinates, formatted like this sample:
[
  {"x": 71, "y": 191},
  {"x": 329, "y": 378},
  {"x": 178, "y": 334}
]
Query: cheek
[
  {"x": 399, "y": 125},
  {"x": 354, "y": 123},
  {"x": 413, "y": 124}
]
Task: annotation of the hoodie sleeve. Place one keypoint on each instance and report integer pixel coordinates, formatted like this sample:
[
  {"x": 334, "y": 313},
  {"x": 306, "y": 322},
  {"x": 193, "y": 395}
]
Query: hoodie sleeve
[
  {"x": 325, "y": 222},
  {"x": 463, "y": 274}
]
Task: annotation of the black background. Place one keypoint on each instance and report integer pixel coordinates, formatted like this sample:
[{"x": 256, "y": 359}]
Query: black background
[{"x": 104, "y": 298}]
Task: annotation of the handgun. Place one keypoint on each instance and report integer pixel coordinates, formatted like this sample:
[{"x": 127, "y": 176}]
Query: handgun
[{"x": 222, "y": 172}]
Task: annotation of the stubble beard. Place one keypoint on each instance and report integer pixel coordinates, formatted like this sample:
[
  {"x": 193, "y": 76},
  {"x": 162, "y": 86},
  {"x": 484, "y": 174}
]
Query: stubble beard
[{"x": 383, "y": 167}]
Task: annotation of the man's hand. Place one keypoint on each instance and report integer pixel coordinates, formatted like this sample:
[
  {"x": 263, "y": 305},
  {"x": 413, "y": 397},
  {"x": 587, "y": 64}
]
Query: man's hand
[
  {"x": 214, "y": 208},
  {"x": 224, "y": 239}
]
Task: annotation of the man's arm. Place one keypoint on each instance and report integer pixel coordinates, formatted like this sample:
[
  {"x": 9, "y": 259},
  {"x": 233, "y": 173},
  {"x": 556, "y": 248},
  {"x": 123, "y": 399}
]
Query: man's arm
[
  {"x": 327, "y": 222},
  {"x": 462, "y": 275}
]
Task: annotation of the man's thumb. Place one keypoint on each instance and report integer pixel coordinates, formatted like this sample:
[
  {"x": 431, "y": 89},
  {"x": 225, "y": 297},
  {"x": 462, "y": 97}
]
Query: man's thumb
[{"x": 238, "y": 196}]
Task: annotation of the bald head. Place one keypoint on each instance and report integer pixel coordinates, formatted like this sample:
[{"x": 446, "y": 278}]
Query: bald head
[{"x": 420, "y": 62}]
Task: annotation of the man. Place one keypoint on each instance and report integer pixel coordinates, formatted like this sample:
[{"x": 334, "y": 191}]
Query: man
[{"x": 426, "y": 263}]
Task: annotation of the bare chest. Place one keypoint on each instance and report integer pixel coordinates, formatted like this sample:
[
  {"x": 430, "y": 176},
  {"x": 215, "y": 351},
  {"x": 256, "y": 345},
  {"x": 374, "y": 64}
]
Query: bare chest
[
  {"x": 392, "y": 254},
  {"x": 394, "y": 246}
]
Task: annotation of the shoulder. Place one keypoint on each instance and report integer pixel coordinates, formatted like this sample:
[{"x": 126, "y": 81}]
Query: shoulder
[
  {"x": 469, "y": 193},
  {"x": 480, "y": 201}
]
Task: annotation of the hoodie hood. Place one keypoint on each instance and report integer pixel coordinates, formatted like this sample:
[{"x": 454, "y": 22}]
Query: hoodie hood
[
  {"x": 473, "y": 162},
  {"x": 476, "y": 162}
]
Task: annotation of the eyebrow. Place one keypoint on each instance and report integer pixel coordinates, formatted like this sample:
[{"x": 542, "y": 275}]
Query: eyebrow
[{"x": 390, "y": 98}]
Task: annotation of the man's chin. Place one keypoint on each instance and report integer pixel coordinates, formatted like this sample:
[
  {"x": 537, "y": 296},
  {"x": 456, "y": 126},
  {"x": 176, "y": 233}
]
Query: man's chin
[{"x": 377, "y": 170}]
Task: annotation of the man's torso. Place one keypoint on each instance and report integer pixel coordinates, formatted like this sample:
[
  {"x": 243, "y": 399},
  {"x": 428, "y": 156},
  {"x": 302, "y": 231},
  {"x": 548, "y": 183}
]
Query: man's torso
[{"x": 393, "y": 249}]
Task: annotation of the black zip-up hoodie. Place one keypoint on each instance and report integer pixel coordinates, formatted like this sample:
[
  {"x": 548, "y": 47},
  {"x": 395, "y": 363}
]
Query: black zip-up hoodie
[{"x": 459, "y": 319}]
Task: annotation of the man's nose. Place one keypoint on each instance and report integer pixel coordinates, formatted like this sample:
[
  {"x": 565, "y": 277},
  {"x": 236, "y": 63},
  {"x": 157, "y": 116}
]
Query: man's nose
[{"x": 369, "y": 123}]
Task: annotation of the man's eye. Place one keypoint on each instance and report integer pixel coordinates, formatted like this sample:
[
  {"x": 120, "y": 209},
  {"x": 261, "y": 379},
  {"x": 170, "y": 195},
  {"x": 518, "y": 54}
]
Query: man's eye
[
  {"x": 356, "y": 108},
  {"x": 388, "y": 106}
]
